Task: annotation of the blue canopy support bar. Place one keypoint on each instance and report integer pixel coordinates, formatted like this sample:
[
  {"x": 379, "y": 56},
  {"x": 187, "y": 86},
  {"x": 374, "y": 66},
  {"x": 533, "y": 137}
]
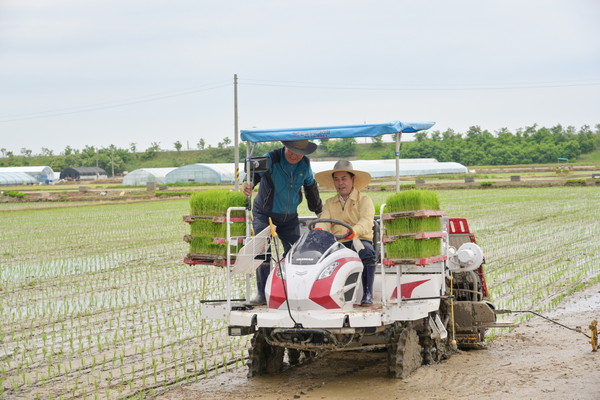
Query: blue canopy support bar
[
  {"x": 331, "y": 132},
  {"x": 337, "y": 132}
]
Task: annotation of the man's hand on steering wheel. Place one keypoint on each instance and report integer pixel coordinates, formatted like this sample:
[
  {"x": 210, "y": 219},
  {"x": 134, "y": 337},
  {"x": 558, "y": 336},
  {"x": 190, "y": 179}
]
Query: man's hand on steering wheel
[{"x": 349, "y": 235}]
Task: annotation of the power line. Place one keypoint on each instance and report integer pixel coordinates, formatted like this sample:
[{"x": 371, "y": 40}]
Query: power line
[
  {"x": 292, "y": 84},
  {"x": 387, "y": 87},
  {"x": 114, "y": 104}
]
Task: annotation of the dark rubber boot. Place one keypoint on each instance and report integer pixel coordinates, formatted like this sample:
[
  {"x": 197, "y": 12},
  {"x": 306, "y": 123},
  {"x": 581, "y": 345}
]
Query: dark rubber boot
[
  {"x": 262, "y": 274},
  {"x": 368, "y": 277}
]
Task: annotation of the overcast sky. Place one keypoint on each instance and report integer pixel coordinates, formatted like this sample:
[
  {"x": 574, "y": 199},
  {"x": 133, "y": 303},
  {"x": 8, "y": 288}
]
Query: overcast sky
[{"x": 102, "y": 72}]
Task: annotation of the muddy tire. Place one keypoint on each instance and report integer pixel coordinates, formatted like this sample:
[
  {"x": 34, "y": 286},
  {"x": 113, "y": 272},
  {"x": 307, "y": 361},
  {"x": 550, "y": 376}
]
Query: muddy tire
[
  {"x": 404, "y": 351},
  {"x": 436, "y": 350},
  {"x": 264, "y": 359},
  {"x": 293, "y": 356}
]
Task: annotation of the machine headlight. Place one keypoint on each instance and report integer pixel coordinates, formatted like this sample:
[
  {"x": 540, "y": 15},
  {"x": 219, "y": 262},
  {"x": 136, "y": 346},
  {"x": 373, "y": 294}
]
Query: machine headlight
[{"x": 328, "y": 270}]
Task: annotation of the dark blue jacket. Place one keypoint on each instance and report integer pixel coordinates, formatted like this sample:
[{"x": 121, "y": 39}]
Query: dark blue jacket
[{"x": 280, "y": 190}]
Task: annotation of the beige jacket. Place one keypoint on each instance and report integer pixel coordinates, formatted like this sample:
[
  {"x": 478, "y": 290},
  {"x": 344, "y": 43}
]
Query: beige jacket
[{"x": 358, "y": 212}]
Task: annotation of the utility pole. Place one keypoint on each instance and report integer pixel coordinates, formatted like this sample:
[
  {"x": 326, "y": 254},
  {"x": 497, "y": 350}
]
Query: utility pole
[
  {"x": 112, "y": 161},
  {"x": 236, "y": 149}
]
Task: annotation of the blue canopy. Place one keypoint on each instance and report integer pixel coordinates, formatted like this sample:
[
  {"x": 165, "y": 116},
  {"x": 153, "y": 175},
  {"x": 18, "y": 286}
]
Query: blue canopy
[{"x": 328, "y": 132}]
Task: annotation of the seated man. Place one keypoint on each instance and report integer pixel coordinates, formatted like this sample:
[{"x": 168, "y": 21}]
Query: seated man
[{"x": 354, "y": 208}]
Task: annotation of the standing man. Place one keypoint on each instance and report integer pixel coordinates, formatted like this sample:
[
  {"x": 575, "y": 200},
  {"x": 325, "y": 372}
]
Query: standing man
[
  {"x": 357, "y": 210},
  {"x": 279, "y": 194}
]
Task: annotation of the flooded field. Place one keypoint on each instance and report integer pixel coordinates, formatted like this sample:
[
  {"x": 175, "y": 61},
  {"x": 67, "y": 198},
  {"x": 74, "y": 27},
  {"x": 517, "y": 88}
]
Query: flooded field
[{"x": 96, "y": 303}]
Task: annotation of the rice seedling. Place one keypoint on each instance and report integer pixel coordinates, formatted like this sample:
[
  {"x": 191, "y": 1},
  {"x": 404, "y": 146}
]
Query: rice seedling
[
  {"x": 83, "y": 294},
  {"x": 215, "y": 202},
  {"x": 402, "y": 226},
  {"x": 410, "y": 200},
  {"x": 208, "y": 234},
  {"x": 207, "y": 227},
  {"x": 411, "y": 248}
]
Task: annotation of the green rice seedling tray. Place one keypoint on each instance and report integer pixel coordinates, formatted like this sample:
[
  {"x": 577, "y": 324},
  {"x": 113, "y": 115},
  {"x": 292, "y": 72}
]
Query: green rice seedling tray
[
  {"x": 216, "y": 219},
  {"x": 201, "y": 244},
  {"x": 416, "y": 236},
  {"x": 407, "y": 226},
  {"x": 206, "y": 259},
  {"x": 409, "y": 200},
  {"x": 389, "y": 262},
  {"x": 216, "y": 202},
  {"x": 411, "y": 248},
  {"x": 238, "y": 240},
  {"x": 413, "y": 214}
]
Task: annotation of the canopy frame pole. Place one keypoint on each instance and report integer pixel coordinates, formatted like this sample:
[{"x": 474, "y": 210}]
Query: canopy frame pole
[
  {"x": 248, "y": 212},
  {"x": 398, "y": 139}
]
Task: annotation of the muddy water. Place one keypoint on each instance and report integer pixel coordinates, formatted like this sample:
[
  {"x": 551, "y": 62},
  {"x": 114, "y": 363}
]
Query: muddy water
[{"x": 537, "y": 360}]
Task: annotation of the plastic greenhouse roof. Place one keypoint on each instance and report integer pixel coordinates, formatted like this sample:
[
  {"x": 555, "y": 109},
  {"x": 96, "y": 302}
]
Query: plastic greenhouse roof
[
  {"x": 29, "y": 169},
  {"x": 40, "y": 173},
  {"x": 201, "y": 172},
  {"x": 387, "y": 168},
  {"x": 16, "y": 178},
  {"x": 142, "y": 176}
]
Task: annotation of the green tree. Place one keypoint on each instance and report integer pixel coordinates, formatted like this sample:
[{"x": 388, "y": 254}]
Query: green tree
[
  {"x": 341, "y": 147},
  {"x": 178, "y": 146},
  {"x": 377, "y": 142}
]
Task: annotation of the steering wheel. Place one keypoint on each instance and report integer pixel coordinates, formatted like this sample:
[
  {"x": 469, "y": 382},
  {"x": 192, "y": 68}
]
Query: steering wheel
[{"x": 311, "y": 226}]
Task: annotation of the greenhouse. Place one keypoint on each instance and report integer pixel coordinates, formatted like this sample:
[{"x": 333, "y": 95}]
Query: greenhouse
[
  {"x": 225, "y": 172},
  {"x": 83, "y": 173},
  {"x": 387, "y": 168},
  {"x": 205, "y": 173},
  {"x": 16, "y": 178},
  {"x": 41, "y": 174},
  {"x": 142, "y": 176}
]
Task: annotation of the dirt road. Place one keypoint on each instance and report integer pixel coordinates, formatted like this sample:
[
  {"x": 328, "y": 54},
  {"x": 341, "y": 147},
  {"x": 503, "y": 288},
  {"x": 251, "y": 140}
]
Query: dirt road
[{"x": 537, "y": 360}]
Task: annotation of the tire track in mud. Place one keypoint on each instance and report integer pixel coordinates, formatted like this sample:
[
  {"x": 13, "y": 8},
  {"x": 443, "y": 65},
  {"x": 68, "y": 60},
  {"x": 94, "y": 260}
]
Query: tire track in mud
[
  {"x": 295, "y": 382},
  {"x": 353, "y": 363}
]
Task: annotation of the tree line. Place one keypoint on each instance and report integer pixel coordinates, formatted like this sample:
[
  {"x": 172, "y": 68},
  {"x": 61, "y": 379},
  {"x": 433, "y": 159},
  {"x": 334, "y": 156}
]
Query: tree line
[{"x": 530, "y": 145}]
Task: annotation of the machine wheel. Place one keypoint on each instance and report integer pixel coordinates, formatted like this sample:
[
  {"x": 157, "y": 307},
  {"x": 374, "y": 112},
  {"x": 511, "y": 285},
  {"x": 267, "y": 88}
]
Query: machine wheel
[
  {"x": 404, "y": 351},
  {"x": 263, "y": 358},
  {"x": 436, "y": 350},
  {"x": 441, "y": 350},
  {"x": 293, "y": 356}
]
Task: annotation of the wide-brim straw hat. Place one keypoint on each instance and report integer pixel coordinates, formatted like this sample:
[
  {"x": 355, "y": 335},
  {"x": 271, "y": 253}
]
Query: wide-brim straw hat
[
  {"x": 303, "y": 147},
  {"x": 361, "y": 178}
]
